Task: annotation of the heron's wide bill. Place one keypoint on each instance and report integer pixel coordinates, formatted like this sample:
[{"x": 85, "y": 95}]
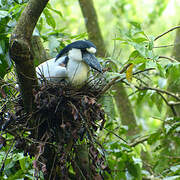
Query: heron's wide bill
[{"x": 92, "y": 61}]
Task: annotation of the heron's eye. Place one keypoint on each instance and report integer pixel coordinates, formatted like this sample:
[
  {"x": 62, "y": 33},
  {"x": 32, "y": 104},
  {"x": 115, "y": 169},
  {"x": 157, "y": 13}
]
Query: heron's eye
[{"x": 91, "y": 50}]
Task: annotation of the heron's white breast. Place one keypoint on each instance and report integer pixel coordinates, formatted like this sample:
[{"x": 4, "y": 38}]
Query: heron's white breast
[{"x": 77, "y": 72}]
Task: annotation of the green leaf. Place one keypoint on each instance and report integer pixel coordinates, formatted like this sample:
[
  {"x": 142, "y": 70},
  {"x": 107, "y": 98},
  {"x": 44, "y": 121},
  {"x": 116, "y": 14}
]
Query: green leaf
[
  {"x": 53, "y": 44},
  {"x": 54, "y": 10},
  {"x": 40, "y": 24},
  {"x": 109, "y": 106},
  {"x": 161, "y": 70},
  {"x": 142, "y": 66},
  {"x": 2, "y": 47},
  {"x": 154, "y": 137},
  {"x": 141, "y": 95},
  {"x": 3, "y": 66},
  {"x": 151, "y": 42},
  {"x": 49, "y": 18},
  {"x": 156, "y": 98},
  {"x": 134, "y": 170},
  {"x": 140, "y": 40},
  {"x": 171, "y": 178},
  {"x": 175, "y": 168},
  {"x": 3, "y": 14},
  {"x": 22, "y": 163},
  {"x": 136, "y": 29},
  {"x": 136, "y": 58},
  {"x": 79, "y": 36}
]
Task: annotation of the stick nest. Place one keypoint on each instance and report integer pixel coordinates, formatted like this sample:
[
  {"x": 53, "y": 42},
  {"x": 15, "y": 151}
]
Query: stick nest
[{"x": 64, "y": 120}]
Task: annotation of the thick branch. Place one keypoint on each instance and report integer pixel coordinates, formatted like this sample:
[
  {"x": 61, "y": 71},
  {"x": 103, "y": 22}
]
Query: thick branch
[
  {"x": 28, "y": 19},
  {"x": 20, "y": 50}
]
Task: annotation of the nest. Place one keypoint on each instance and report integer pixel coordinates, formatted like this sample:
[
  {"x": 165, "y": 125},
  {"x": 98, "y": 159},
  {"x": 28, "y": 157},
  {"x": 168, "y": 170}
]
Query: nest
[{"x": 64, "y": 121}]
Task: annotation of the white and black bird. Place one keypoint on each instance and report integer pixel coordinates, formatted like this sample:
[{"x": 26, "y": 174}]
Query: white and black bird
[{"x": 72, "y": 63}]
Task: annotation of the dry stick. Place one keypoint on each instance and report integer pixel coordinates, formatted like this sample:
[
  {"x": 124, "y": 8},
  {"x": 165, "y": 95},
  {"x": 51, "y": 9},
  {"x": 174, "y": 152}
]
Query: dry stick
[
  {"x": 165, "y": 46},
  {"x": 133, "y": 144},
  {"x": 176, "y": 27},
  {"x": 159, "y": 91}
]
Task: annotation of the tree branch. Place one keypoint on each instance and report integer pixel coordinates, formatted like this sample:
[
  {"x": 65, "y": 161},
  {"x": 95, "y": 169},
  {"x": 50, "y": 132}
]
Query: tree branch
[
  {"x": 172, "y": 29},
  {"x": 160, "y": 91},
  {"x": 138, "y": 141},
  {"x": 169, "y": 58},
  {"x": 170, "y": 105},
  {"x": 117, "y": 79},
  {"x": 20, "y": 50}
]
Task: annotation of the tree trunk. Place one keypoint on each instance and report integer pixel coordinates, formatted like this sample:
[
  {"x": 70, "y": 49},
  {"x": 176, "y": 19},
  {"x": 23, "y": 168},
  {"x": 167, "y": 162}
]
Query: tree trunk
[
  {"x": 20, "y": 50},
  {"x": 125, "y": 110},
  {"x": 92, "y": 26}
]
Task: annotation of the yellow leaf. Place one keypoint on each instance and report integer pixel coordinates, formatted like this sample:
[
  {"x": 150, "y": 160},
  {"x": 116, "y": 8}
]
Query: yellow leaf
[{"x": 129, "y": 73}]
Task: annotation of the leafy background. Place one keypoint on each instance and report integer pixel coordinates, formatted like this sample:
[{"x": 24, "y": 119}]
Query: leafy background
[{"x": 129, "y": 29}]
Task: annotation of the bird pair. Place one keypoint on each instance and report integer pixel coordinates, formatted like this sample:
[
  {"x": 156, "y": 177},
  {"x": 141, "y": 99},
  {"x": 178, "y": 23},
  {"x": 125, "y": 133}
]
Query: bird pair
[{"x": 71, "y": 64}]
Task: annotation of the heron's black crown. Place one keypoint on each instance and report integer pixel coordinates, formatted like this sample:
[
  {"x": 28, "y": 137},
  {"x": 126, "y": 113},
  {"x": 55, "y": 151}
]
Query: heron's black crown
[{"x": 81, "y": 44}]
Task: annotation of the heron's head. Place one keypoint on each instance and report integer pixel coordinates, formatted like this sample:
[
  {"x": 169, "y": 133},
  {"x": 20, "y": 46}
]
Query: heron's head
[{"x": 82, "y": 50}]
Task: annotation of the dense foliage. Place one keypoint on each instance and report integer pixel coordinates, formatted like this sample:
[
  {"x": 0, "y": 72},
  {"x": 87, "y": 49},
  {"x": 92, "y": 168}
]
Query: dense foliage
[{"x": 144, "y": 66}]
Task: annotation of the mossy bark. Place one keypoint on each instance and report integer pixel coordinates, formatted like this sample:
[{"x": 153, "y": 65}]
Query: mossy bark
[
  {"x": 21, "y": 53},
  {"x": 39, "y": 53}
]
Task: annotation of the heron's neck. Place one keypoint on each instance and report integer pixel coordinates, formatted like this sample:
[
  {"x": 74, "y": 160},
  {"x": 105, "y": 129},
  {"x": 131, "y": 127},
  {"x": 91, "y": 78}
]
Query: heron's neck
[{"x": 75, "y": 54}]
